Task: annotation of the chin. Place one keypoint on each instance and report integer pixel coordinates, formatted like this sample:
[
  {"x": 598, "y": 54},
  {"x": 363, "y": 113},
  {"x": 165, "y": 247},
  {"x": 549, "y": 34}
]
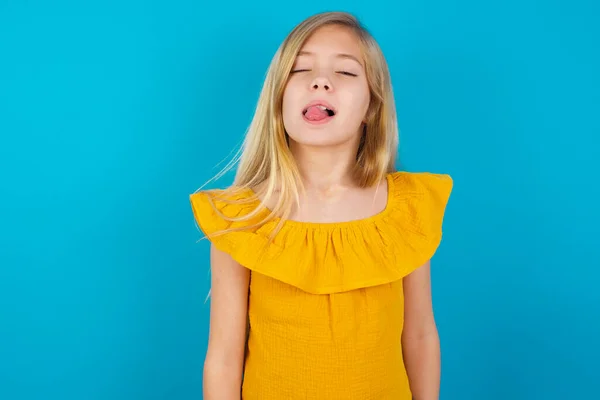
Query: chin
[{"x": 320, "y": 138}]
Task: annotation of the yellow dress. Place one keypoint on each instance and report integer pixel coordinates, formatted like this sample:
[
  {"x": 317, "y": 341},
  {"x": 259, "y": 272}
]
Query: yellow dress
[{"x": 325, "y": 301}]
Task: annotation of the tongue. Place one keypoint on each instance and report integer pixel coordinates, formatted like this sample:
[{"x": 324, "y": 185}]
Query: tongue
[{"x": 315, "y": 114}]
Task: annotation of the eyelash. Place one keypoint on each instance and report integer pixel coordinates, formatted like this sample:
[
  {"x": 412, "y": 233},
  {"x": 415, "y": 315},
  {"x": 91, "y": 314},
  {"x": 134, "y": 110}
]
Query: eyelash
[{"x": 339, "y": 72}]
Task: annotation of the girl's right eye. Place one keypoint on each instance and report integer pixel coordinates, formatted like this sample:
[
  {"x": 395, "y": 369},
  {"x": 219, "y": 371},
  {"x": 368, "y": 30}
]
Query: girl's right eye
[{"x": 299, "y": 70}]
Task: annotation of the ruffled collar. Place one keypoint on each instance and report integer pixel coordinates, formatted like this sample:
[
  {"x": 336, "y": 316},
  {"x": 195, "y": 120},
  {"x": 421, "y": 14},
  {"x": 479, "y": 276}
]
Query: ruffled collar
[{"x": 330, "y": 257}]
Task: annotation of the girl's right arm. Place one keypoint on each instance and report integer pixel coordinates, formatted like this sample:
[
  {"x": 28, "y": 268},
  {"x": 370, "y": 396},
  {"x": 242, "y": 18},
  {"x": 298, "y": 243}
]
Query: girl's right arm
[{"x": 224, "y": 362}]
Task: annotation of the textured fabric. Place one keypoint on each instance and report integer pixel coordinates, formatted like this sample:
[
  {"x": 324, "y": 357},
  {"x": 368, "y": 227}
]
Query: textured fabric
[{"x": 326, "y": 304}]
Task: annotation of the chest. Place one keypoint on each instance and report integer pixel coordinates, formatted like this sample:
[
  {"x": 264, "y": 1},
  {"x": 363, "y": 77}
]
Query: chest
[
  {"x": 337, "y": 206},
  {"x": 366, "y": 309}
]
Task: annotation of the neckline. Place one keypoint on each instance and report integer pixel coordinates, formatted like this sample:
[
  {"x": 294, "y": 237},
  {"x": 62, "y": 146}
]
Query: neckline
[{"x": 338, "y": 224}]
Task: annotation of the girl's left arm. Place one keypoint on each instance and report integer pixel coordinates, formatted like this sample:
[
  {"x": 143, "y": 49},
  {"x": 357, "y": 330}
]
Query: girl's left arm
[{"x": 420, "y": 340}]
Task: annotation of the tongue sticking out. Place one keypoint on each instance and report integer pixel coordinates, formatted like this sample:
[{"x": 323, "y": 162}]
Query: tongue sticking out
[{"x": 315, "y": 113}]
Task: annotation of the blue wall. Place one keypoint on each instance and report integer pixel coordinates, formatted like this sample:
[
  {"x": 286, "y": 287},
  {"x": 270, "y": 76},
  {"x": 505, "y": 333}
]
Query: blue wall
[{"x": 112, "y": 113}]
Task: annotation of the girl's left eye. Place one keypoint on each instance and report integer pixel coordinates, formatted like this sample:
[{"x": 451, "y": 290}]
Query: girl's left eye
[{"x": 346, "y": 73}]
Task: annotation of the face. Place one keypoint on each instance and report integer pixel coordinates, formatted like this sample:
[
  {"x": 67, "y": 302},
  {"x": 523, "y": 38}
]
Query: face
[{"x": 327, "y": 95}]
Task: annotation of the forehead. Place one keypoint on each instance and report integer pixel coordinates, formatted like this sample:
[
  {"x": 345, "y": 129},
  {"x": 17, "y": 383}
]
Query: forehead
[{"x": 332, "y": 40}]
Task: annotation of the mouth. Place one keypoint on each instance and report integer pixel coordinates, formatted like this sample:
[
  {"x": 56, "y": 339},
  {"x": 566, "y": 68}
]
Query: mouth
[{"x": 318, "y": 112}]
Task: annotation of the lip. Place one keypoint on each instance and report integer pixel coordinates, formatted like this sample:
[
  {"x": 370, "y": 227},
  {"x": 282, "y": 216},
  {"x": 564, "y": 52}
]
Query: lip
[{"x": 319, "y": 103}]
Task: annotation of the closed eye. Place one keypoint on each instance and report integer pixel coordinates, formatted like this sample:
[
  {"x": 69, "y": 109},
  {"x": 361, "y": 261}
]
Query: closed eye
[
  {"x": 339, "y": 72},
  {"x": 346, "y": 73}
]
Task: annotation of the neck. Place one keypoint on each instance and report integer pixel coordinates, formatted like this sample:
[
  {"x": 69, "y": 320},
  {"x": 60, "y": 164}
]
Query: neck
[{"x": 324, "y": 168}]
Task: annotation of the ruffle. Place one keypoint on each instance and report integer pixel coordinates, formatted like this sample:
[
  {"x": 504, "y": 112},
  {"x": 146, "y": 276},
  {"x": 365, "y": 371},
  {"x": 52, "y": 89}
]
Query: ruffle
[{"x": 325, "y": 258}]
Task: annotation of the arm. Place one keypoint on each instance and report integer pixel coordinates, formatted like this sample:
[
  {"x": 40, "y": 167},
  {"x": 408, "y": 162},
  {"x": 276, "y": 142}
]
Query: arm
[
  {"x": 224, "y": 362},
  {"x": 420, "y": 338}
]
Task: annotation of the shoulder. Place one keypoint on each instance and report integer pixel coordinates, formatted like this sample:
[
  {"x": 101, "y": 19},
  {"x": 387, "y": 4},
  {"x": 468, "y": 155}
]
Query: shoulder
[
  {"x": 418, "y": 202},
  {"x": 222, "y": 209},
  {"x": 221, "y": 198},
  {"x": 420, "y": 192},
  {"x": 421, "y": 182}
]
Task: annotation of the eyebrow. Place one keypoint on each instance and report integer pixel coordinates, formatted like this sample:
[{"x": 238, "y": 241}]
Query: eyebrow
[{"x": 338, "y": 55}]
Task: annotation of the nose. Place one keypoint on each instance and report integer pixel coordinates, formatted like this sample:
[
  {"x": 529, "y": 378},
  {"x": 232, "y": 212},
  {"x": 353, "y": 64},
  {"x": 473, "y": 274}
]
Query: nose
[{"x": 321, "y": 82}]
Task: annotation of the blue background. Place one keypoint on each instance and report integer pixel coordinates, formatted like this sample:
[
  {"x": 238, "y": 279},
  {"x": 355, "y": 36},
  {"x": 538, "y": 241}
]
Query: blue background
[{"x": 112, "y": 113}]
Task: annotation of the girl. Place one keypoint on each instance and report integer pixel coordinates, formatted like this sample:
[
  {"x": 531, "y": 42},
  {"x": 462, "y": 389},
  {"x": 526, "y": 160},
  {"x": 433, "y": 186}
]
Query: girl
[{"x": 320, "y": 249}]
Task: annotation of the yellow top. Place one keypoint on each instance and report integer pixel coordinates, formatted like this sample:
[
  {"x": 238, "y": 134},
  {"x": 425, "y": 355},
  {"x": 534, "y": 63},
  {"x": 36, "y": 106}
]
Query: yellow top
[{"x": 326, "y": 303}]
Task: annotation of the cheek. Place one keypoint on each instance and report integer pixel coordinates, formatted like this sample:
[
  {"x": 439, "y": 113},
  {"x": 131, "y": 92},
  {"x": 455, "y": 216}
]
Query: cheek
[
  {"x": 365, "y": 102},
  {"x": 288, "y": 101},
  {"x": 366, "y": 98},
  {"x": 358, "y": 100}
]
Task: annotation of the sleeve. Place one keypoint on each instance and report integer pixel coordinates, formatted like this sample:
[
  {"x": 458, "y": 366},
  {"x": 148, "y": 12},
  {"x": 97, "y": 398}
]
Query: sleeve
[
  {"x": 206, "y": 215},
  {"x": 418, "y": 219}
]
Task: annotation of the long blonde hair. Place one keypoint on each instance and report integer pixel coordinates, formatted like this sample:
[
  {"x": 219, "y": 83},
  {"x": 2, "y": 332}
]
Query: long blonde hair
[{"x": 266, "y": 165}]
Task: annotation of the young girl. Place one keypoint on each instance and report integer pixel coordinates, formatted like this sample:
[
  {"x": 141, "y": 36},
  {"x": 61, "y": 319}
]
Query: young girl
[{"x": 320, "y": 249}]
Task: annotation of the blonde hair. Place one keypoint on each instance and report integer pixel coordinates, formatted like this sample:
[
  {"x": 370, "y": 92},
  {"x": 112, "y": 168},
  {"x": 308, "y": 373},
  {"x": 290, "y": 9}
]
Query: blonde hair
[{"x": 266, "y": 165}]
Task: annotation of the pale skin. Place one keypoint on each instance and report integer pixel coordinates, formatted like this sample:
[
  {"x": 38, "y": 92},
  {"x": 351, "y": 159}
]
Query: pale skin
[
  {"x": 223, "y": 366},
  {"x": 324, "y": 157},
  {"x": 420, "y": 339}
]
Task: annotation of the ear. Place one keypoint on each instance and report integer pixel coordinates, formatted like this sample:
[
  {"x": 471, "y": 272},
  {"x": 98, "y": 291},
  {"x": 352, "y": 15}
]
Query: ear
[
  {"x": 367, "y": 116},
  {"x": 371, "y": 112}
]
